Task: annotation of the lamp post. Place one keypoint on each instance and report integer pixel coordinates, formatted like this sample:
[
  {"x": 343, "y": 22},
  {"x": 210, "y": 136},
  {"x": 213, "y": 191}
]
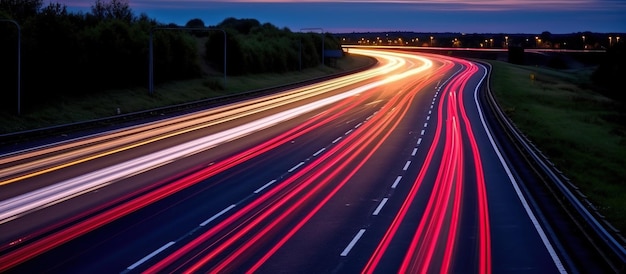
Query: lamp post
[
  {"x": 322, "y": 33},
  {"x": 584, "y": 45},
  {"x": 151, "y": 53},
  {"x": 19, "y": 62}
]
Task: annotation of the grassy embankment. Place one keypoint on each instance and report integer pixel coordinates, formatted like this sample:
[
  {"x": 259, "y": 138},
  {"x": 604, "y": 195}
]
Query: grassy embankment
[
  {"x": 581, "y": 131},
  {"x": 75, "y": 109}
]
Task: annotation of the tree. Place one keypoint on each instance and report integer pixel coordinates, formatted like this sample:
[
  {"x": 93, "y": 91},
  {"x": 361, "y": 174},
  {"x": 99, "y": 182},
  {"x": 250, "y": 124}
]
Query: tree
[
  {"x": 195, "y": 23},
  {"x": 113, "y": 9}
]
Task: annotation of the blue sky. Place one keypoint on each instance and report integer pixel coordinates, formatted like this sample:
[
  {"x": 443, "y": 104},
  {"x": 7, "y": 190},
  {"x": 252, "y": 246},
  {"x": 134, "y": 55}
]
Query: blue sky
[{"x": 469, "y": 16}]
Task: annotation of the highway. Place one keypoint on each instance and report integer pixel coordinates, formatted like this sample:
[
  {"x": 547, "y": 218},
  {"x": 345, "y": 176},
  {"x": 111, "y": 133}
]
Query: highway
[{"x": 393, "y": 169}]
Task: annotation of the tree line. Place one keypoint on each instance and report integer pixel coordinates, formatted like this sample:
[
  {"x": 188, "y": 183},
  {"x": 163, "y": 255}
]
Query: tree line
[{"x": 75, "y": 54}]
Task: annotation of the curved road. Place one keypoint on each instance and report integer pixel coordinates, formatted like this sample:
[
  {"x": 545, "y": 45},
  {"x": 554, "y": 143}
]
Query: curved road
[{"x": 389, "y": 170}]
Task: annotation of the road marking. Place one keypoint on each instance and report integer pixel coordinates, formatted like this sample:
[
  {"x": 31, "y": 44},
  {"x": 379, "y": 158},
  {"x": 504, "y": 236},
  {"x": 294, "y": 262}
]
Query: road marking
[
  {"x": 337, "y": 140},
  {"x": 217, "y": 215},
  {"x": 430, "y": 112},
  {"x": 380, "y": 206},
  {"x": 425, "y": 124},
  {"x": 319, "y": 151},
  {"x": 352, "y": 243},
  {"x": 432, "y": 106},
  {"x": 348, "y": 132},
  {"x": 147, "y": 257},
  {"x": 264, "y": 186},
  {"x": 419, "y": 141},
  {"x": 414, "y": 152},
  {"x": 406, "y": 166},
  {"x": 428, "y": 118},
  {"x": 395, "y": 183},
  {"x": 295, "y": 167},
  {"x": 423, "y": 131},
  {"x": 529, "y": 212},
  {"x": 358, "y": 125}
]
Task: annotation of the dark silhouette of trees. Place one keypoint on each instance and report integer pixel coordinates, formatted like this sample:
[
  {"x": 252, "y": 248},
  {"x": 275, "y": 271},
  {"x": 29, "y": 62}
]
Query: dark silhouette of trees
[
  {"x": 77, "y": 54},
  {"x": 256, "y": 48},
  {"x": 610, "y": 73}
]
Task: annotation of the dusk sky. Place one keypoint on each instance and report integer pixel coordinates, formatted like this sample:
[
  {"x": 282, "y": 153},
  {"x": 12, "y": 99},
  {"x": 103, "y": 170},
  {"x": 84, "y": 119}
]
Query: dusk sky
[{"x": 465, "y": 16}]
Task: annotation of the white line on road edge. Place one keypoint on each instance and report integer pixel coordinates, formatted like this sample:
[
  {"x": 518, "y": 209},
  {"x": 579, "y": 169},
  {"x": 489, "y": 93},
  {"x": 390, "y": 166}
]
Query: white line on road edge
[
  {"x": 352, "y": 243},
  {"x": 147, "y": 257},
  {"x": 395, "y": 184},
  {"x": 380, "y": 206},
  {"x": 217, "y": 215},
  {"x": 264, "y": 186},
  {"x": 531, "y": 215}
]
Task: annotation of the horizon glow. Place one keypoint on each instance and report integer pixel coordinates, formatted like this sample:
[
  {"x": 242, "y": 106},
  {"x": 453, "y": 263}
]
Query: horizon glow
[{"x": 473, "y": 16}]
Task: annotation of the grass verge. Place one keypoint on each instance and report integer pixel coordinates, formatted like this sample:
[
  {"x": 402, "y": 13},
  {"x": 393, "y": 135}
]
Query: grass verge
[
  {"x": 65, "y": 109},
  {"x": 580, "y": 130}
]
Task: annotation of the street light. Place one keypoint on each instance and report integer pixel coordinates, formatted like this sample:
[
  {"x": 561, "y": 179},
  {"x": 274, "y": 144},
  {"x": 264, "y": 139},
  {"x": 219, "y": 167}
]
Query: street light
[
  {"x": 19, "y": 62},
  {"x": 610, "y": 41},
  {"x": 506, "y": 41},
  {"x": 431, "y": 41},
  {"x": 151, "y": 53}
]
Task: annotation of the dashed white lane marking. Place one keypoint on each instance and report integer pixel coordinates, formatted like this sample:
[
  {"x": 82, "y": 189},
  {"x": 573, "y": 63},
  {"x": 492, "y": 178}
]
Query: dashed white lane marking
[
  {"x": 380, "y": 206},
  {"x": 406, "y": 166},
  {"x": 337, "y": 140},
  {"x": 147, "y": 257},
  {"x": 419, "y": 141},
  {"x": 352, "y": 243},
  {"x": 218, "y": 215},
  {"x": 425, "y": 124},
  {"x": 319, "y": 152},
  {"x": 414, "y": 152},
  {"x": 395, "y": 183},
  {"x": 423, "y": 132},
  {"x": 295, "y": 167},
  {"x": 264, "y": 186},
  {"x": 428, "y": 118},
  {"x": 348, "y": 132},
  {"x": 358, "y": 125}
]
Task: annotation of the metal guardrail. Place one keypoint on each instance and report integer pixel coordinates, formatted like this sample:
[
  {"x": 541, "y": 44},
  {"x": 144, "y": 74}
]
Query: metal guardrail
[
  {"x": 21, "y": 136},
  {"x": 611, "y": 239}
]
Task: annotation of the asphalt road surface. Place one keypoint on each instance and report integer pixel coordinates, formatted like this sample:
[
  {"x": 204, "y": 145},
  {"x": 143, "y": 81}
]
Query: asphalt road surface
[{"x": 393, "y": 169}]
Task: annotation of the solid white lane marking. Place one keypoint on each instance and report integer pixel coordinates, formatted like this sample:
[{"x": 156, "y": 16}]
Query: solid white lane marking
[
  {"x": 352, "y": 243},
  {"x": 217, "y": 215},
  {"x": 395, "y": 183},
  {"x": 264, "y": 186},
  {"x": 414, "y": 152},
  {"x": 531, "y": 215},
  {"x": 319, "y": 151},
  {"x": 295, "y": 167},
  {"x": 406, "y": 166},
  {"x": 380, "y": 206},
  {"x": 337, "y": 140},
  {"x": 147, "y": 257}
]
